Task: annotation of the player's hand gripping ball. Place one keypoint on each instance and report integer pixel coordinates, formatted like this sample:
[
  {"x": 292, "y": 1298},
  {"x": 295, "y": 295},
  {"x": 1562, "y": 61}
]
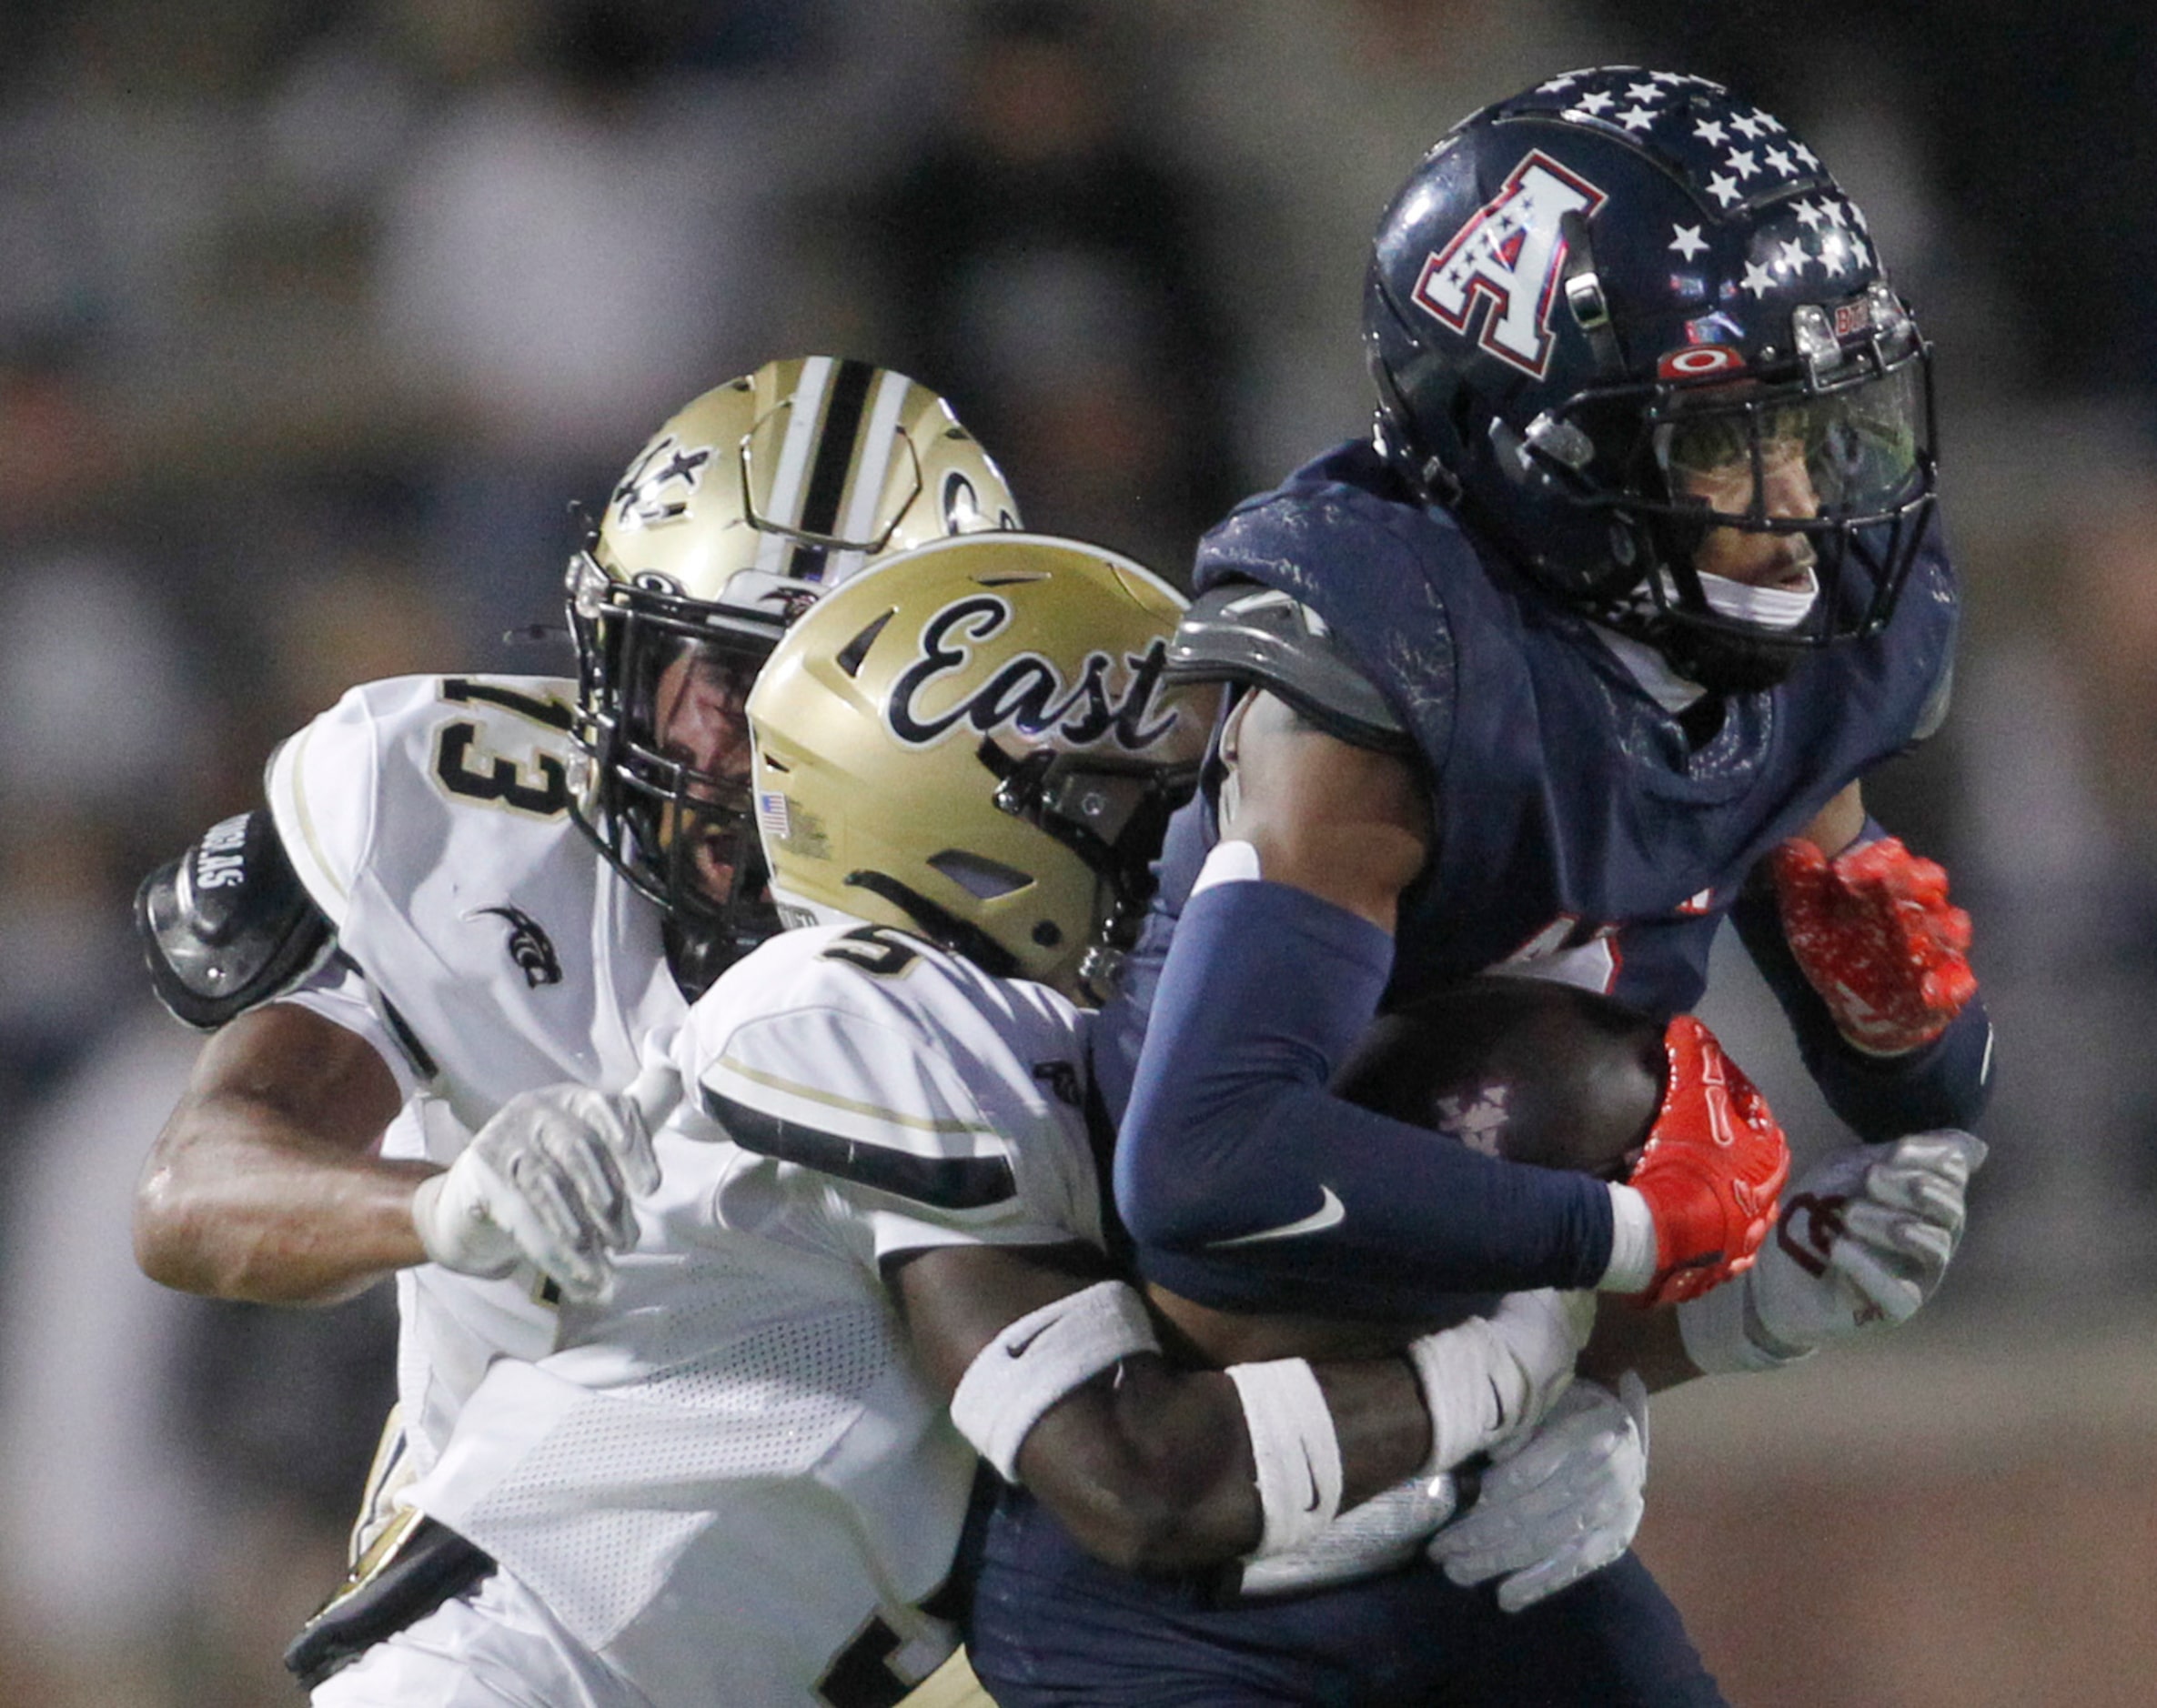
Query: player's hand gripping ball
[
  {"x": 1876, "y": 936},
  {"x": 1716, "y": 1160}
]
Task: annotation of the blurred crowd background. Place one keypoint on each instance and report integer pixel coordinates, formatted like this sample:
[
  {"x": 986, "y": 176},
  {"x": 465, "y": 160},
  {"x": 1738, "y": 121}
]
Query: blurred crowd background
[{"x": 313, "y": 319}]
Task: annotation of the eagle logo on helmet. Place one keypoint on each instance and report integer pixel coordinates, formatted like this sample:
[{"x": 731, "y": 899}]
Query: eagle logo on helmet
[{"x": 1029, "y": 693}]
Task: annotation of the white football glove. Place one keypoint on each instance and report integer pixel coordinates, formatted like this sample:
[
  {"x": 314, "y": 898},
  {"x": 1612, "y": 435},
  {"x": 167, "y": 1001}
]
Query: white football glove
[
  {"x": 1557, "y": 1504},
  {"x": 1864, "y": 1239},
  {"x": 1494, "y": 1377},
  {"x": 548, "y": 1182}
]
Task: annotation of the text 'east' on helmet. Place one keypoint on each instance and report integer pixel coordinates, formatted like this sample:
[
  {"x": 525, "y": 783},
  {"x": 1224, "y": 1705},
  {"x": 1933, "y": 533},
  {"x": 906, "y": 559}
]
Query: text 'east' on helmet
[{"x": 974, "y": 742}]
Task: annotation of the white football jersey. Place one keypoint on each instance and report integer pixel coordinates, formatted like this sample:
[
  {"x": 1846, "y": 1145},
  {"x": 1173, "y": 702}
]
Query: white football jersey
[
  {"x": 730, "y": 1480},
  {"x": 496, "y": 951}
]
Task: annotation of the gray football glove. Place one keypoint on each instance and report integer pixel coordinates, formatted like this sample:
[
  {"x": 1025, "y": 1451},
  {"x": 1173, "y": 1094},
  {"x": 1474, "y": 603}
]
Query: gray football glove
[
  {"x": 1562, "y": 1504},
  {"x": 1864, "y": 1239},
  {"x": 549, "y": 1181}
]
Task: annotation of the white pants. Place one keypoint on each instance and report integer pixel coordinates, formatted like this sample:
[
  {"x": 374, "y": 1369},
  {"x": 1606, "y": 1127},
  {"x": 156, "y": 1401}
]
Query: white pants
[{"x": 495, "y": 1646}]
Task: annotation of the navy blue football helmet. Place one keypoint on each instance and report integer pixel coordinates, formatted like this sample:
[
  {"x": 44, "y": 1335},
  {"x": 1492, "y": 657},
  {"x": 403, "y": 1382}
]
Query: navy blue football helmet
[{"x": 1615, "y": 317}]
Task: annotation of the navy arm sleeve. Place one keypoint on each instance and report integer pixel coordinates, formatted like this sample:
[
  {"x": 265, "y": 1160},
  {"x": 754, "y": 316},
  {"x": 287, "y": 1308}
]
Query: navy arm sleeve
[
  {"x": 1944, "y": 1083},
  {"x": 1246, "y": 1184}
]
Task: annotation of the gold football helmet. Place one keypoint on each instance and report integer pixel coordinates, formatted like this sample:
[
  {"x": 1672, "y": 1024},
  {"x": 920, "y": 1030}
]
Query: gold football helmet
[
  {"x": 745, "y": 506},
  {"x": 972, "y": 741}
]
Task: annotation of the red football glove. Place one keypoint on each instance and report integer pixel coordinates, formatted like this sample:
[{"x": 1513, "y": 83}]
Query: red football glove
[
  {"x": 1878, "y": 940},
  {"x": 1715, "y": 1160}
]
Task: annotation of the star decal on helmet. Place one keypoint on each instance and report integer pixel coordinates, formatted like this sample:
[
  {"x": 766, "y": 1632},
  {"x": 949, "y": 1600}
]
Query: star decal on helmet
[
  {"x": 1758, "y": 279},
  {"x": 1725, "y": 190},
  {"x": 1687, "y": 240}
]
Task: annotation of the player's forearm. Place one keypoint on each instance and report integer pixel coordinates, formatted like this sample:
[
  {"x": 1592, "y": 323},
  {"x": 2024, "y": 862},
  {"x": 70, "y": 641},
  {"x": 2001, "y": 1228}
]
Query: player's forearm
[
  {"x": 238, "y": 1203},
  {"x": 1153, "y": 1472},
  {"x": 1647, "y": 1342},
  {"x": 1231, "y": 1132},
  {"x": 265, "y": 1184}
]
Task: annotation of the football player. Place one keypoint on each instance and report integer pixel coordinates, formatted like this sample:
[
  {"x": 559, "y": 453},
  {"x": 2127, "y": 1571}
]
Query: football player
[
  {"x": 730, "y": 1480},
  {"x": 488, "y": 890},
  {"x": 1587, "y": 651}
]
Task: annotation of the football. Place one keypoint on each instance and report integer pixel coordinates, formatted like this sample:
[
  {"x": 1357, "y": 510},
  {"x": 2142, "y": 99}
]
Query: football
[{"x": 1526, "y": 1068}]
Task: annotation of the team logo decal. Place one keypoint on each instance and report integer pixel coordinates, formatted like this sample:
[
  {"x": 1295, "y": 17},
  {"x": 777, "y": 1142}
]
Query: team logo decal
[
  {"x": 1510, "y": 254},
  {"x": 1477, "y": 1117},
  {"x": 530, "y": 947},
  {"x": 962, "y": 514},
  {"x": 1028, "y": 693},
  {"x": 657, "y": 487}
]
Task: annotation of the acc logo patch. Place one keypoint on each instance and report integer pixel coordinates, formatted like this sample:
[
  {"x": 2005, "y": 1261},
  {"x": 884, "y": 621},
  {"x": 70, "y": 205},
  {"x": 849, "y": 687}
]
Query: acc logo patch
[
  {"x": 1509, "y": 254},
  {"x": 1028, "y": 693},
  {"x": 1699, "y": 361}
]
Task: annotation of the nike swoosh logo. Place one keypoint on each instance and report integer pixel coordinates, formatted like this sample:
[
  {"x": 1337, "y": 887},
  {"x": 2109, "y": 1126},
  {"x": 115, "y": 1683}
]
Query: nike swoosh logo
[
  {"x": 1331, "y": 1213},
  {"x": 1018, "y": 1348}
]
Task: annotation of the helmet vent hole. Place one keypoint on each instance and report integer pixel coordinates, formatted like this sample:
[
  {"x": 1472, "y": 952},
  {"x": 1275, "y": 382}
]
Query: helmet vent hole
[
  {"x": 984, "y": 880},
  {"x": 856, "y": 651},
  {"x": 1047, "y": 935},
  {"x": 1006, "y": 580}
]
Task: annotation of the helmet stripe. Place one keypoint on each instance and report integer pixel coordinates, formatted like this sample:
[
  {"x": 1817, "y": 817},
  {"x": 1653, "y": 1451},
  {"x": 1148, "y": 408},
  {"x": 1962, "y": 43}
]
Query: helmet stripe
[
  {"x": 834, "y": 456},
  {"x": 785, "y": 505},
  {"x": 879, "y": 444}
]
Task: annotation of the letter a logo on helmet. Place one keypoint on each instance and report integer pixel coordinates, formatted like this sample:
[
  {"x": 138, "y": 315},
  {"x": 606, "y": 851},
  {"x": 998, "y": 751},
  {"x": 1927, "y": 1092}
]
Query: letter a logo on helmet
[{"x": 1510, "y": 252}]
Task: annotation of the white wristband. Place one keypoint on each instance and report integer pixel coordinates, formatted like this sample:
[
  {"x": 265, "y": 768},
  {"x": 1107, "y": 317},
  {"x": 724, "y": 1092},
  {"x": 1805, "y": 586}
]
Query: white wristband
[
  {"x": 1632, "y": 1243},
  {"x": 1292, "y": 1444},
  {"x": 1722, "y": 1333},
  {"x": 1039, "y": 1359}
]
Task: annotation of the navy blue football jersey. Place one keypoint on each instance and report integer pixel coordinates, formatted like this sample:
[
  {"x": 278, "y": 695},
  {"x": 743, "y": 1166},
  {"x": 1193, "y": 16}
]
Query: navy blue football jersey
[{"x": 1580, "y": 835}]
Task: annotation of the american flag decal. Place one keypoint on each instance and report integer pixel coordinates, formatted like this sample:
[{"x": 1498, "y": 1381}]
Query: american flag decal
[{"x": 771, "y": 814}]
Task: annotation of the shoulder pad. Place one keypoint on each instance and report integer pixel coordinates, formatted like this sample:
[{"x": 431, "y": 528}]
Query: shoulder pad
[
  {"x": 1242, "y": 632},
  {"x": 1933, "y": 713},
  {"x": 228, "y": 924},
  {"x": 820, "y": 1050}
]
